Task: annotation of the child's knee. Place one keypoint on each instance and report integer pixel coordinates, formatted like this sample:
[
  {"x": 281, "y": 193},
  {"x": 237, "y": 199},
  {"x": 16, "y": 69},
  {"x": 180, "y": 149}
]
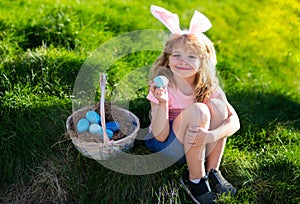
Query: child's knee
[
  {"x": 196, "y": 115},
  {"x": 201, "y": 111}
]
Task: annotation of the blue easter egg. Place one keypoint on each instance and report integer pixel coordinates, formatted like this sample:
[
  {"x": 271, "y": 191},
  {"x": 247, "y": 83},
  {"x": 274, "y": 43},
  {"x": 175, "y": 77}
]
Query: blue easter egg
[
  {"x": 95, "y": 129},
  {"x": 161, "y": 81},
  {"x": 93, "y": 117},
  {"x": 114, "y": 126},
  {"x": 109, "y": 133},
  {"x": 83, "y": 125}
]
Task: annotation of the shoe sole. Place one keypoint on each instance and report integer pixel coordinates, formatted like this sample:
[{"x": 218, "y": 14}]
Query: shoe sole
[{"x": 188, "y": 191}]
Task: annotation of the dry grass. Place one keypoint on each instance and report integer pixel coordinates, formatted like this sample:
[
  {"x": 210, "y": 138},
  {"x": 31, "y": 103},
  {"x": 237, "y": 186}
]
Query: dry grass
[{"x": 45, "y": 185}]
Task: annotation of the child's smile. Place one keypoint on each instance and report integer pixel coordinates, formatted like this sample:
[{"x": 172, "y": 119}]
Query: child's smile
[
  {"x": 184, "y": 62},
  {"x": 183, "y": 68}
]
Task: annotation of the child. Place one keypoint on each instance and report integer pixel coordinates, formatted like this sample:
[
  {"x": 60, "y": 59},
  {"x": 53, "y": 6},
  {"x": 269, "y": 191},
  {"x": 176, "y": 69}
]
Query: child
[{"x": 191, "y": 117}]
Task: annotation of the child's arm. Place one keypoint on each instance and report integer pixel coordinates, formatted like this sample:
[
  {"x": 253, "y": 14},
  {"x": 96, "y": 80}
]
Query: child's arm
[
  {"x": 159, "y": 112},
  {"x": 160, "y": 121},
  {"x": 229, "y": 126}
]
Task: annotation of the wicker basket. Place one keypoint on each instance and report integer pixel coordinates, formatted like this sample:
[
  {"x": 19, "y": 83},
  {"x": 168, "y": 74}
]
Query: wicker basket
[{"x": 93, "y": 146}]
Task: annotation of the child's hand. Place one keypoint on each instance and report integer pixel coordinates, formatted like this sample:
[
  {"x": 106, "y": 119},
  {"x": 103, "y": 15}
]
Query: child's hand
[{"x": 160, "y": 94}]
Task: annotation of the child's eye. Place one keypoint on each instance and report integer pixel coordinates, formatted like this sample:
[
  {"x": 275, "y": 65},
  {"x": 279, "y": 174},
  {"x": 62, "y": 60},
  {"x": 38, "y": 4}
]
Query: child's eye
[
  {"x": 176, "y": 55},
  {"x": 192, "y": 56}
]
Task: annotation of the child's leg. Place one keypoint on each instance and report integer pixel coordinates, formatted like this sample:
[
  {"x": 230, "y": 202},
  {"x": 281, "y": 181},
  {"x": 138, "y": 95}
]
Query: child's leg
[
  {"x": 219, "y": 184},
  {"x": 214, "y": 158},
  {"x": 195, "y": 115},
  {"x": 214, "y": 151}
]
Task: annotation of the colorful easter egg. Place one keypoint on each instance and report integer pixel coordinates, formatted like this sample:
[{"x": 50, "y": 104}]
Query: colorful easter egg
[
  {"x": 161, "y": 81},
  {"x": 114, "y": 126},
  {"x": 93, "y": 117},
  {"x": 95, "y": 129},
  {"x": 109, "y": 133},
  {"x": 82, "y": 125}
]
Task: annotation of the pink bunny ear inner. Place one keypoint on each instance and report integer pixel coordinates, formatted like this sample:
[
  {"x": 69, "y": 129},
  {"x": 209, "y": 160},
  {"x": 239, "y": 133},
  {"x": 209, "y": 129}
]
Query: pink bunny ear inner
[
  {"x": 199, "y": 23},
  {"x": 170, "y": 20}
]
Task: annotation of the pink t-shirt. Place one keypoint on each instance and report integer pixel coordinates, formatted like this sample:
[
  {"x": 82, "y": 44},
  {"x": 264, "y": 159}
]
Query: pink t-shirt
[{"x": 178, "y": 101}]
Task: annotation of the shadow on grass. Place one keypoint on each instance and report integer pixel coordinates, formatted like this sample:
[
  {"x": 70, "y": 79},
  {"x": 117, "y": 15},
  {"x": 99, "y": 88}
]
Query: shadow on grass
[
  {"x": 261, "y": 115},
  {"x": 277, "y": 180},
  {"x": 261, "y": 109},
  {"x": 32, "y": 139},
  {"x": 56, "y": 27},
  {"x": 39, "y": 162},
  {"x": 27, "y": 136},
  {"x": 52, "y": 72}
]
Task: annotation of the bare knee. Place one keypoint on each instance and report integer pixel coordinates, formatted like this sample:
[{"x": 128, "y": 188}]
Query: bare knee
[
  {"x": 197, "y": 114},
  {"x": 201, "y": 114}
]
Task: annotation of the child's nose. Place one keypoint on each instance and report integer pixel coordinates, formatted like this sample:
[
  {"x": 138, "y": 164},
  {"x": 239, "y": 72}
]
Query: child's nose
[{"x": 183, "y": 60}]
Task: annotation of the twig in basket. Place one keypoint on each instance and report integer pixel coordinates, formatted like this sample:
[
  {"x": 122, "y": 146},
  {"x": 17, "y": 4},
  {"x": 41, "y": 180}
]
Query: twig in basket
[{"x": 102, "y": 109}]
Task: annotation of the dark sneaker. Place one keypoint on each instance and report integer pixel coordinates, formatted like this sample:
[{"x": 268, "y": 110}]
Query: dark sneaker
[
  {"x": 201, "y": 192},
  {"x": 219, "y": 184}
]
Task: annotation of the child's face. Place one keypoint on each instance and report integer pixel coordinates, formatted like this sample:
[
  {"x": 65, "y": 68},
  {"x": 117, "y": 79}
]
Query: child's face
[{"x": 184, "y": 62}]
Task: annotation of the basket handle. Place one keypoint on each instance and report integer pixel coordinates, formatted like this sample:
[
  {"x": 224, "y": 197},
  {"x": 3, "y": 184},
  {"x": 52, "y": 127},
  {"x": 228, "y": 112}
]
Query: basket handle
[{"x": 102, "y": 108}]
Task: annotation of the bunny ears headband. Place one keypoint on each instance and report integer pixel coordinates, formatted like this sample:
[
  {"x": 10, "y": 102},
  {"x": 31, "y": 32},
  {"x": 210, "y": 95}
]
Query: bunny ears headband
[{"x": 198, "y": 24}]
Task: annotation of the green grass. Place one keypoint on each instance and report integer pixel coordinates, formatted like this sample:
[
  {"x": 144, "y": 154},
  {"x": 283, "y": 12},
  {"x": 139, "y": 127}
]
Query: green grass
[{"x": 42, "y": 48}]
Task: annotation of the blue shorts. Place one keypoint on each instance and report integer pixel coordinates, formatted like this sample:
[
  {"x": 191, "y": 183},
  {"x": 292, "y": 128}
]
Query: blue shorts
[{"x": 171, "y": 147}]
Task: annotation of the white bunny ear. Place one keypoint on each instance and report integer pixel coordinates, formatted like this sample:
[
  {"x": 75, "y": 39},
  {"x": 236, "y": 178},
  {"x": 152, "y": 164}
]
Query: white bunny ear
[
  {"x": 199, "y": 23},
  {"x": 170, "y": 20}
]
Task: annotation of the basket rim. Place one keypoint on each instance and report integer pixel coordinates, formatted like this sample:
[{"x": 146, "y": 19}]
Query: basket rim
[{"x": 131, "y": 136}]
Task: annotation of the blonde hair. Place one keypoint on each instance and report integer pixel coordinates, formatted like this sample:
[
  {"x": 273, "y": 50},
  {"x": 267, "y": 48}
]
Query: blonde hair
[{"x": 206, "y": 80}]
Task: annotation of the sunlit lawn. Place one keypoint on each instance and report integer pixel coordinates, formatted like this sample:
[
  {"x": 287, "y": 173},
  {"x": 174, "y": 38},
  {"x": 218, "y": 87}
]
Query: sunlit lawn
[{"x": 43, "y": 45}]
